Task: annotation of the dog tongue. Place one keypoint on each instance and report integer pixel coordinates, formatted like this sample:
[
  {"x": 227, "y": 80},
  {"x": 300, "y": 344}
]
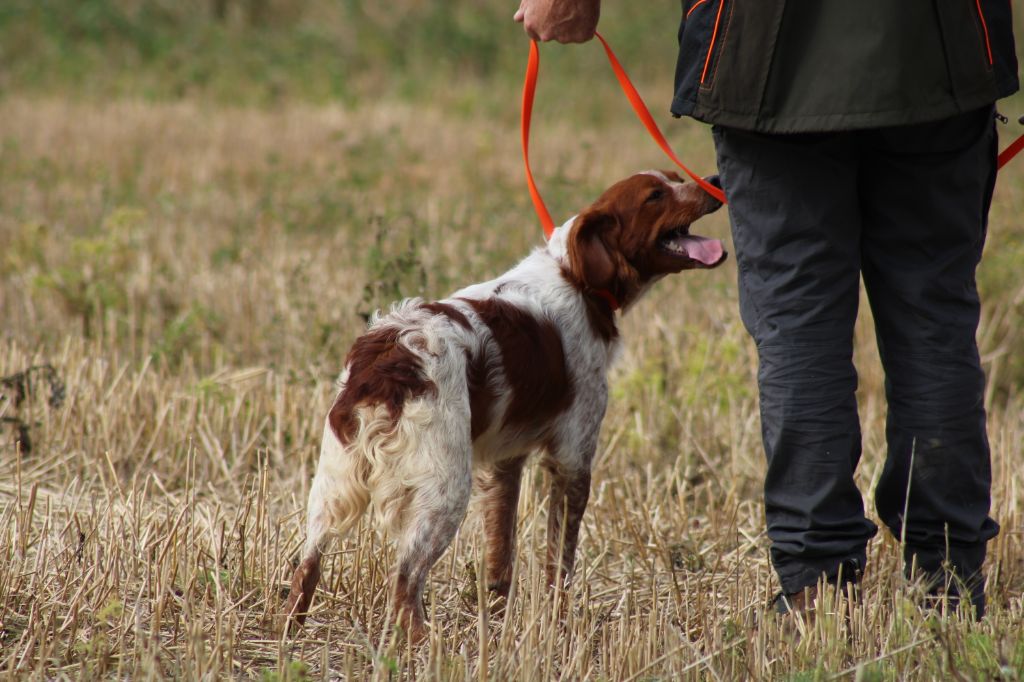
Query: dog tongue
[{"x": 702, "y": 249}]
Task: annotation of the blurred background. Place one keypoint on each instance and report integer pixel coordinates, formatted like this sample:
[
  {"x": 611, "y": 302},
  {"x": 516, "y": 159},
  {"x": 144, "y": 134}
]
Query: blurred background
[{"x": 261, "y": 52}]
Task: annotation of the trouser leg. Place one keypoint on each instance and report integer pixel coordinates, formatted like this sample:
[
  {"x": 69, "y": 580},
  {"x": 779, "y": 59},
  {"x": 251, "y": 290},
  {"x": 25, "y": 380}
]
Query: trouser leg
[
  {"x": 926, "y": 190},
  {"x": 796, "y": 226}
]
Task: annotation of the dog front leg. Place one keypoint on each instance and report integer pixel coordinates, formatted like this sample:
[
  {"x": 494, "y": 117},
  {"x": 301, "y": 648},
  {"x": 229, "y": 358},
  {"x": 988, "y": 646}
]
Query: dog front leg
[
  {"x": 568, "y": 500},
  {"x": 501, "y": 498}
]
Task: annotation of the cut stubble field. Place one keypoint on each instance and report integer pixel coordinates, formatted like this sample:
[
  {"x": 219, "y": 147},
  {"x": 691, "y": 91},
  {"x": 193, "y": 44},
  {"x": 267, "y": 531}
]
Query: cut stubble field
[{"x": 195, "y": 274}]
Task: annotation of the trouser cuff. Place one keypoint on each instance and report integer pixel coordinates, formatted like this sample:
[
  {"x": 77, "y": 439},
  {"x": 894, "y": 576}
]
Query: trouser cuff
[
  {"x": 794, "y": 576},
  {"x": 955, "y": 573}
]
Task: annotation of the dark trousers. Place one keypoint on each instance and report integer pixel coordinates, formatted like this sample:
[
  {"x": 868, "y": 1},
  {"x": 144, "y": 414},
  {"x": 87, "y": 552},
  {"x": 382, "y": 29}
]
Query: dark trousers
[{"x": 905, "y": 209}]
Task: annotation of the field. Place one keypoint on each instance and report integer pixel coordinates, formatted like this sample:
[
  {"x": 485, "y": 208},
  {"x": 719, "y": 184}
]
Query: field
[{"x": 200, "y": 205}]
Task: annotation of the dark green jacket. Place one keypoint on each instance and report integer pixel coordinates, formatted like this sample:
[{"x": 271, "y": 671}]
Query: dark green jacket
[{"x": 818, "y": 65}]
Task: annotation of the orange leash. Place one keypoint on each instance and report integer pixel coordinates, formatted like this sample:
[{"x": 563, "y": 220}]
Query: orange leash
[
  {"x": 530, "y": 87},
  {"x": 637, "y": 102},
  {"x": 645, "y": 117},
  {"x": 1011, "y": 151}
]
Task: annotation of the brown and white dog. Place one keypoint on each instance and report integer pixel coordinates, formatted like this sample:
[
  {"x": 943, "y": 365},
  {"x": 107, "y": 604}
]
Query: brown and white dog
[{"x": 435, "y": 394}]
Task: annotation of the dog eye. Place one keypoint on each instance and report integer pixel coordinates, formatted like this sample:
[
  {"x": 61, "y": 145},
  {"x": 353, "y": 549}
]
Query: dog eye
[{"x": 654, "y": 196}]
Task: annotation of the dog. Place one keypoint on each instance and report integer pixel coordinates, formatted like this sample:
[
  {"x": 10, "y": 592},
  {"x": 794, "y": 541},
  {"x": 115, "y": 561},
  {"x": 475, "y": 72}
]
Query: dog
[{"x": 435, "y": 395}]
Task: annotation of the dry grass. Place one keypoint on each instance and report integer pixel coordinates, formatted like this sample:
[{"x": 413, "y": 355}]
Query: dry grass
[{"x": 195, "y": 275}]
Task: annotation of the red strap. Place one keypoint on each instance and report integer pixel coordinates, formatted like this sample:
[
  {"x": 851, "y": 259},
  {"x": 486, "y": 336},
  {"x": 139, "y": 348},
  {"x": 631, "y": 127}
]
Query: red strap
[
  {"x": 530, "y": 87},
  {"x": 1010, "y": 152},
  {"x": 645, "y": 117}
]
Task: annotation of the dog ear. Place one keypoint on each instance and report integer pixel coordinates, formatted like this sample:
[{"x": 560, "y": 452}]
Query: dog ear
[{"x": 590, "y": 258}]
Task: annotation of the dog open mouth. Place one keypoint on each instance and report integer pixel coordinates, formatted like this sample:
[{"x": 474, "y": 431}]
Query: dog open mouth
[{"x": 704, "y": 251}]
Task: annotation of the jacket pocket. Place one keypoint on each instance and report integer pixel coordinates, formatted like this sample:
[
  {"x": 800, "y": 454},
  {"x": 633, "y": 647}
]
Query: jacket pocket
[
  {"x": 719, "y": 36},
  {"x": 983, "y": 34}
]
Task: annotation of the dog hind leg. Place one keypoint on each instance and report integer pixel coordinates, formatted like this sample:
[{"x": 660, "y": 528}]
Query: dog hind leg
[
  {"x": 500, "y": 488},
  {"x": 437, "y": 507}
]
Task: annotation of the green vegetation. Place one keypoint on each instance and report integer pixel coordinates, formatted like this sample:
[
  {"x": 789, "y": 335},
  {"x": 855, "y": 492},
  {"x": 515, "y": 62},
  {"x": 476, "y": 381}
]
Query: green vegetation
[{"x": 271, "y": 51}]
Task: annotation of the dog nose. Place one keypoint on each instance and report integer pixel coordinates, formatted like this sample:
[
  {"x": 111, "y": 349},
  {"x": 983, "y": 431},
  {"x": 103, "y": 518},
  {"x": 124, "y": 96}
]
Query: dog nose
[{"x": 713, "y": 204}]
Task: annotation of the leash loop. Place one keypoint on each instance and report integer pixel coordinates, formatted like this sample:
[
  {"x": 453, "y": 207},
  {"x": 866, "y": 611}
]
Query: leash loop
[
  {"x": 637, "y": 102},
  {"x": 644, "y": 114},
  {"x": 529, "y": 88}
]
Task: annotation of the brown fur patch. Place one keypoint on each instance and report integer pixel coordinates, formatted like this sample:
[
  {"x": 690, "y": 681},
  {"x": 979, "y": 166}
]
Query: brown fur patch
[
  {"x": 450, "y": 311},
  {"x": 381, "y": 372},
  {"x": 533, "y": 359},
  {"x": 481, "y": 394},
  {"x": 409, "y": 613}
]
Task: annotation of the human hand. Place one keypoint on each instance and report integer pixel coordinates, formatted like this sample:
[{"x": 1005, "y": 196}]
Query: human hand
[{"x": 565, "y": 21}]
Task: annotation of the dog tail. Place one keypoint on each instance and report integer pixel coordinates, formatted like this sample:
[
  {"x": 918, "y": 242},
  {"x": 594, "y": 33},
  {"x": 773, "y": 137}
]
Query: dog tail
[
  {"x": 340, "y": 492},
  {"x": 374, "y": 467}
]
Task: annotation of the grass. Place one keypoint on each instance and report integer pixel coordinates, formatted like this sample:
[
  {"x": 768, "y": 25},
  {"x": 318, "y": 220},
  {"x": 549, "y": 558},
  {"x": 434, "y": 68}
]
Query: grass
[{"x": 194, "y": 263}]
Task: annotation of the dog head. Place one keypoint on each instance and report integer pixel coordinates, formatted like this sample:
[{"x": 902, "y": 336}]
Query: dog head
[{"x": 639, "y": 231}]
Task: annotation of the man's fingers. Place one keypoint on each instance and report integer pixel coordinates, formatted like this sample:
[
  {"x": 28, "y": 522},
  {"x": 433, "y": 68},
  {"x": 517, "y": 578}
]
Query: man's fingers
[
  {"x": 542, "y": 24},
  {"x": 565, "y": 37},
  {"x": 529, "y": 24},
  {"x": 559, "y": 35},
  {"x": 576, "y": 36}
]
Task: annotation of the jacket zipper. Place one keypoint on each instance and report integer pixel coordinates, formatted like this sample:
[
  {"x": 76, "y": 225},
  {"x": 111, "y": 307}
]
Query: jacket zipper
[
  {"x": 984, "y": 29},
  {"x": 711, "y": 47}
]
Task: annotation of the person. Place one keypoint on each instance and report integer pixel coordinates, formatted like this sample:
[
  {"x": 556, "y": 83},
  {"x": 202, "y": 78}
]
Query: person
[{"x": 854, "y": 141}]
